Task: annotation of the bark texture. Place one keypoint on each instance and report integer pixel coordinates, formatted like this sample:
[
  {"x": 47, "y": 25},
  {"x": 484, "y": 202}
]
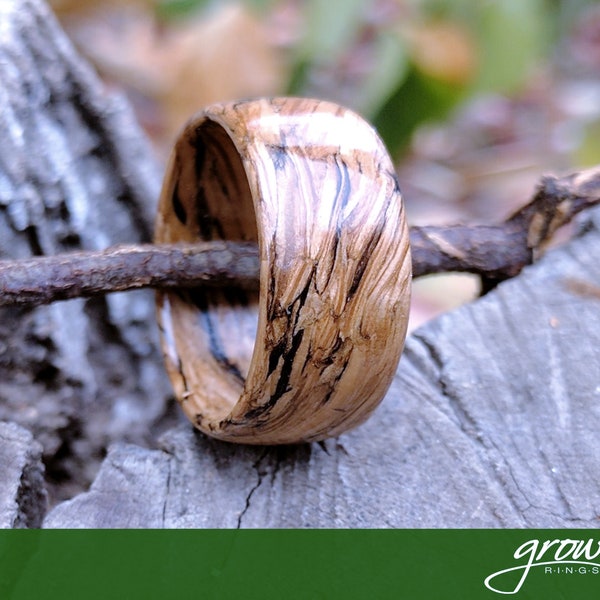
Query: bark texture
[
  {"x": 492, "y": 421},
  {"x": 22, "y": 491},
  {"x": 75, "y": 172}
]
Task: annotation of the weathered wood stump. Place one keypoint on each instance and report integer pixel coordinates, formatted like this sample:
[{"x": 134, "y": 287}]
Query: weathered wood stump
[
  {"x": 22, "y": 491},
  {"x": 75, "y": 172},
  {"x": 491, "y": 421}
]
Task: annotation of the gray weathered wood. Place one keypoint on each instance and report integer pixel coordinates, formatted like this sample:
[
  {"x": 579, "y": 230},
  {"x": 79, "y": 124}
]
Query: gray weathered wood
[
  {"x": 492, "y": 421},
  {"x": 22, "y": 491},
  {"x": 75, "y": 172}
]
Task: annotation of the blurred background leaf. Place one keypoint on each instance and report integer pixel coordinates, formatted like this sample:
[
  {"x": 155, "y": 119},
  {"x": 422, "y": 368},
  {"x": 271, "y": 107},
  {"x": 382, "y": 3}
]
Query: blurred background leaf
[
  {"x": 179, "y": 9},
  {"x": 511, "y": 36},
  {"x": 401, "y": 63}
]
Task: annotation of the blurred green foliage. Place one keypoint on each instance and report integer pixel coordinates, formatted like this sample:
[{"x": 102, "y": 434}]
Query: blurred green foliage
[
  {"x": 397, "y": 91},
  {"x": 417, "y": 99}
]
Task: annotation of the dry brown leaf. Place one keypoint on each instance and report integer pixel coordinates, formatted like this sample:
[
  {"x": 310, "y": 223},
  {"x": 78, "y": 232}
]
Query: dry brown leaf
[
  {"x": 445, "y": 51},
  {"x": 224, "y": 57},
  {"x": 175, "y": 70}
]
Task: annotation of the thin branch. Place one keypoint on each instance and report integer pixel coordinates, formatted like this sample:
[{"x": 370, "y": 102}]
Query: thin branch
[
  {"x": 495, "y": 252},
  {"x": 45, "y": 279}
]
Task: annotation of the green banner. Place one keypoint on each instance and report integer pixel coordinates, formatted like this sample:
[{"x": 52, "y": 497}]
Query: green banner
[{"x": 300, "y": 564}]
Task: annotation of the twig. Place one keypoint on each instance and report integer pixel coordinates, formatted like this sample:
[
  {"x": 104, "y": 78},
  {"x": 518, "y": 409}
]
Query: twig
[
  {"x": 495, "y": 252},
  {"x": 45, "y": 279}
]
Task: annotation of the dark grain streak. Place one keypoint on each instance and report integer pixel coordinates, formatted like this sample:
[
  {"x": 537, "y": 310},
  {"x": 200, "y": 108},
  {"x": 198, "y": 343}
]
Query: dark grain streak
[
  {"x": 364, "y": 260},
  {"x": 178, "y": 207},
  {"x": 278, "y": 155},
  {"x": 215, "y": 345}
]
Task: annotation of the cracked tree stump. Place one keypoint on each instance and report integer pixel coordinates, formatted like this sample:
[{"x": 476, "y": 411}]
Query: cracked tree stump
[
  {"x": 492, "y": 421},
  {"x": 75, "y": 172},
  {"x": 22, "y": 491}
]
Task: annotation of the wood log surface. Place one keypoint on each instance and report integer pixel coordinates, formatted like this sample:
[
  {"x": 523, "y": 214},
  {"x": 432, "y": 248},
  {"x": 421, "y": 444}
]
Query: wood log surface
[
  {"x": 75, "y": 173},
  {"x": 492, "y": 418}
]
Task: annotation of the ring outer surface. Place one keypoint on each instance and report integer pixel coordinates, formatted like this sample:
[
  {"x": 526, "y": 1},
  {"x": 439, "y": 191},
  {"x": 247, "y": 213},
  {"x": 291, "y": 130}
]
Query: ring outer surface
[{"x": 313, "y": 353}]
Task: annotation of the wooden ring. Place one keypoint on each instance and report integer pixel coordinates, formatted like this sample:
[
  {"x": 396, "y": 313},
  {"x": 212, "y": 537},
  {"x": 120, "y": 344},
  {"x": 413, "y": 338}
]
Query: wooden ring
[{"x": 312, "y": 353}]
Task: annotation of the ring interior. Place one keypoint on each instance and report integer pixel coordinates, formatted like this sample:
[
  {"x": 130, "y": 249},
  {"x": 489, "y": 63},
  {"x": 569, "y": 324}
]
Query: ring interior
[{"x": 213, "y": 330}]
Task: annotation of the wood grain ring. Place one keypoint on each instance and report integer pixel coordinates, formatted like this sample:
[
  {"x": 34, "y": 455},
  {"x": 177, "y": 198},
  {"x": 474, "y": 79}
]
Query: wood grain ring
[{"x": 312, "y": 353}]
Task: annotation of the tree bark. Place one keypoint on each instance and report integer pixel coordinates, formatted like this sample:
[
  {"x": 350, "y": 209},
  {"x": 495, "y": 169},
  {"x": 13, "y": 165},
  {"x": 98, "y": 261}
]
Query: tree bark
[
  {"x": 22, "y": 491},
  {"x": 75, "y": 173}
]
